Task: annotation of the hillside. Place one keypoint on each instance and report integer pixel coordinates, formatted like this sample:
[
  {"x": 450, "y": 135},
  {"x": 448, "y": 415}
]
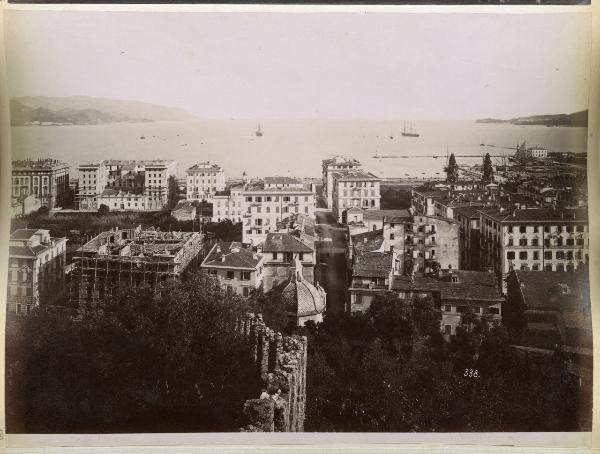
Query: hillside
[
  {"x": 574, "y": 119},
  {"x": 87, "y": 110}
]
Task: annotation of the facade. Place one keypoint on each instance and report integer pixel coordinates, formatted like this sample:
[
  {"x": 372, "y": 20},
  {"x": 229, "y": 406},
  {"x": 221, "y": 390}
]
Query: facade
[
  {"x": 264, "y": 207},
  {"x": 227, "y": 204},
  {"x": 455, "y": 292},
  {"x": 283, "y": 255},
  {"x": 238, "y": 269},
  {"x": 46, "y": 179},
  {"x": 533, "y": 152},
  {"x": 469, "y": 220},
  {"x": 354, "y": 188},
  {"x": 331, "y": 165},
  {"x": 35, "y": 270},
  {"x": 204, "y": 180},
  {"x": 429, "y": 239},
  {"x": 125, "y": 185},
  {"x": 130, "y": 257},
  {"x": 372, "y": 273},
  {"x": 549, "y": 309},
  {"x": 534, "y": 239}
]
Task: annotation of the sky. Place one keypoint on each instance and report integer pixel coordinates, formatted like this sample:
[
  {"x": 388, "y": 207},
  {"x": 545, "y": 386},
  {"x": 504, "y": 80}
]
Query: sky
[{"x": 375, "y": 66}]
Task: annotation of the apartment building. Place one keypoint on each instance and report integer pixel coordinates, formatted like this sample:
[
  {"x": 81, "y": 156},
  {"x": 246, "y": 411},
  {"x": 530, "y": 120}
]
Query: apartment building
[
  {"x": 124, "y": 185},
  {"x": 282, "y": 253},
  {"x": 354, "y": 188},
  {"x": 204, "y": 180},
  {"x": 335, "y": 164},
  {"x": 227, "y": 204},
  {"x": 36, "y": 263},
  {"x": 266, "y": 203},
  {"x": 469, "y": 221},
  {"x": 534, "y": 239},
  {"x": 431, "y": 238},
  {"x": 238, "y": 268},
  {"x": 45, "y": 179}
]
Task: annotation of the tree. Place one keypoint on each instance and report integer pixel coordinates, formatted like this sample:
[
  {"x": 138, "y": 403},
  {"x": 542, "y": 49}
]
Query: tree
[
  {"x": 488, "y": 170},
  {"x": 103, "y": 210},
  {"x": 145, "y": 360},
  {"x": 452, "y": 170}
]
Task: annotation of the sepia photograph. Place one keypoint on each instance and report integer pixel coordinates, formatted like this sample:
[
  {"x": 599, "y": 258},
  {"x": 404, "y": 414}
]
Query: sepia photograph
[{"x": 320, "y": 222}]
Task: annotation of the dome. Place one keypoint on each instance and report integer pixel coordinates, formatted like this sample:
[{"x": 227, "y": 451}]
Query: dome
[{"x": 302, "y": 299}]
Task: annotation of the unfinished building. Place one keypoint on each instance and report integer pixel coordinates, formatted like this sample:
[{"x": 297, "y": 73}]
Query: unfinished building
[{"x": 130, "y": 257}]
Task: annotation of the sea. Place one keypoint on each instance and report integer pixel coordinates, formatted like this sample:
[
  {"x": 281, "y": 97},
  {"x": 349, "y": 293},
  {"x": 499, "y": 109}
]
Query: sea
[{"x": 293, "y": 148}]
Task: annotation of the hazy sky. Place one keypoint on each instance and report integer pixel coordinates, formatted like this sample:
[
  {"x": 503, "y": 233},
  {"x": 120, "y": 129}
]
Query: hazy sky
[{"x": 341, "y": 65}]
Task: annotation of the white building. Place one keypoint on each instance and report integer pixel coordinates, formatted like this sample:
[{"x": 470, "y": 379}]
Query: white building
[
  {"x": 124, "y": 185},
  {"x": 354, "y": 188},
  {"x": 335, "y": 164},
  {"x": 204, "y": 180},
  {"x": 227, "y": 204}
]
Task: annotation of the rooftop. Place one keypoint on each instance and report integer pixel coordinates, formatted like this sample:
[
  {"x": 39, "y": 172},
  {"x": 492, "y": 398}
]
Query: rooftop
[
  {"x": 284, "y": 242},
  {"x": 368, "y": 241},
  {"x": 386, "y": 214},
  {"x": 231, "y": 254},
  {"x": 281, "y": 180},
  {"x": 204, "y": 166},
  {"x": 373, "y": 264},
  {"x": 471, "y": 285},
  {"x": 38, "y": 164},
  {"x": 537, "y": 215},
  {"x": 354, "y": 175}
]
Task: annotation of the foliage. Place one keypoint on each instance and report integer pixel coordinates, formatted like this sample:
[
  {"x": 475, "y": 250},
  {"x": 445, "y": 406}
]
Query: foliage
[
  {"x": 103, "y": 210},
  {"x": 452, "y": 170},
  {"x": 488, "y": 170},
  {"x": 272, "y": 309},
  {"x": 143, "y": 361},
  {"x": 395, "y": 197}
]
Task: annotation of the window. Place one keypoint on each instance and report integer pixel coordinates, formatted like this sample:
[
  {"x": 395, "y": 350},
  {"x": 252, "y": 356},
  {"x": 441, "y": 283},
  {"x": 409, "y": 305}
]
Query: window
[
  {"x": 535, "y": 242},
  {"x": 245, "y": 291},
  {"x": 274, "y": 255},
  {"x": 560, "y": 267},
  {"x": 580, "y": 228},
  {"x": 245, "y": 276},
  {"x": 569, "y": 229},
  {"x": 547, "y": 242},
  {"x": 523, "y": 229},
  {"x": 536, "y": 267},
  {"x": 560, "y": 255},
  {"x": 448, "y": 330},
  {"x": 548, "y": 268},
  {"x": 547, "y": 228},
  {"x": 461, "y": 309},
  {"x": 510, "y": 229},
  {"x": 494, "y": 310},
  {"x": 523, "y": 255},
  {"x": 300, "y": 255},
  {"x": 580, "y": 242},
  {"x": 536, "y": 255},
  {"x": 391, "y": 236},
  {"x": 548, "y": 255},
  {"x": 447, "y": 308},
  {"x": 569, "y": 255},
  {"x": 510, "y": 242},
  {"x": 523, "y": 242},
  {"x": 510, "y": 255},
  {"x": 230, "y": 274},
  {"x": 570, "y": 242}
]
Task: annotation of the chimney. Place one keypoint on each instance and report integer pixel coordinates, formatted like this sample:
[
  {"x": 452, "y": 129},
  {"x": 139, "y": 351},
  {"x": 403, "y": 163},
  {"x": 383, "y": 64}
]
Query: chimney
[{"x": 365, "y": 240}]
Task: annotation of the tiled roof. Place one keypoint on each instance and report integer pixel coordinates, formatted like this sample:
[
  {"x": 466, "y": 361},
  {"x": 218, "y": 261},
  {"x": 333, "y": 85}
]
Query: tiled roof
[
  {"x": 231, "y": 255},
  {"x": 14, "y": 251},
  {"x": 468, "y": 212},
  {"x": 373, "y": 264},
  {"x": 301, "y": 298},
  {"x": 538, "y": 215},
  {"x": 282, "y": 180},
  {"x": 367, "y": 241},
  {"x": 540, "y": 289},
  {"x": 352, "y": 175},
  {"x": 381, "y": 214},
  {"x": 471, "y": 285},
  {"x": 284, "y": 242},
  {"x": 23, "y": 234}
]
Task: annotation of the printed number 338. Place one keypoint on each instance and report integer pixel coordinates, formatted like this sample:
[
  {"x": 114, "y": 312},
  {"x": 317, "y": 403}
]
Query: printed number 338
[{"x": 471, "y": 373}]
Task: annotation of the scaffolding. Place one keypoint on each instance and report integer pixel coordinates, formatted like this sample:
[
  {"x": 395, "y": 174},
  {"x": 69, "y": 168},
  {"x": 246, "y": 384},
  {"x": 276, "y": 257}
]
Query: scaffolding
[{"x": 132, "y": 257}]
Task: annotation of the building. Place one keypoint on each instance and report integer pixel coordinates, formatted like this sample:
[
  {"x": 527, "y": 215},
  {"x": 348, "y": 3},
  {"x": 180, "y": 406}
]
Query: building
[
  {"x": 267, "y": 203},
  {"x": 36, "y": 263},
  {"x": 302, "y": 300},
  {"x": 533, "y": 152},
  {"x": 25, "y": 206},
  {"x": 130, "y": 258},
  {"x": 125, "y": 185},
  {"x": 455, "y": 292},
  {"x": 373, "y": 272},
  {"x": 469, "y": 221},
  {"x": 283, "y": 253},
  {"x": 432, "y": 239},
  {"x": 331, "y": 165},
  {"x": 227, "y": 204},
  {"x": 354, "y": 188},
  {"x": 46, "y": 179},
  {"x": 549, "y": 309},
  {"x": 184, "y": 211},
  {"x": 204, "y": 180},
  {"x": 238, "y": 269},
  {"x": 534, "y": 239}
]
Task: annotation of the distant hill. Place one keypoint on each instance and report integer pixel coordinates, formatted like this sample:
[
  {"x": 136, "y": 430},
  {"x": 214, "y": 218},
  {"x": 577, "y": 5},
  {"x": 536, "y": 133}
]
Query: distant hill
[
  {"x": 574, "y": 119},
  {"x": 81, "y": 110}
]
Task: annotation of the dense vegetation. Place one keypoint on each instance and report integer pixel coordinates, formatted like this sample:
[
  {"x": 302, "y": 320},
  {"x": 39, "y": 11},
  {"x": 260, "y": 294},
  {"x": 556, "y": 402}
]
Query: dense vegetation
[
  {"x": 141, "y": 362},
  {"x": 389, "y": 370},
  {"x": 395, "y": 197}
]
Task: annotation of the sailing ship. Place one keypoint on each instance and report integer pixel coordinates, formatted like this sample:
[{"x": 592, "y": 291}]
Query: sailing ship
[
  {"x": 410, "y": 132},
  {"x": 258, "y": 131}
]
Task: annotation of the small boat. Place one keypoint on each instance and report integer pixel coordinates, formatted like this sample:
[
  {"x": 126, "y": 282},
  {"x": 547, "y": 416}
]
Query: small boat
[
  {"x": 258, "y": 131},
  {"x": 482, "y": 145},
  {"x": 142, "y": 137},
  {"x": 410, "y": 133},
  {"x": 391, "y": 135}
]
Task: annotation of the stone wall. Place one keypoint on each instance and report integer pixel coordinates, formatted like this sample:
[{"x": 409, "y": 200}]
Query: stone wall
[{"x": 281, "y": 362}]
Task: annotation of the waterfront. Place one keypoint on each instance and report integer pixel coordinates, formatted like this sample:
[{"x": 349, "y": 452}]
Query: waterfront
[{"x": 289, "y": 147}]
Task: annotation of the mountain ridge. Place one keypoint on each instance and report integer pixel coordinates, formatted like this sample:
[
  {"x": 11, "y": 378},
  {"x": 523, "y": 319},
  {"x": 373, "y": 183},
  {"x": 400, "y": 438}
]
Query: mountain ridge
[{"x": 574, "y": 119}]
